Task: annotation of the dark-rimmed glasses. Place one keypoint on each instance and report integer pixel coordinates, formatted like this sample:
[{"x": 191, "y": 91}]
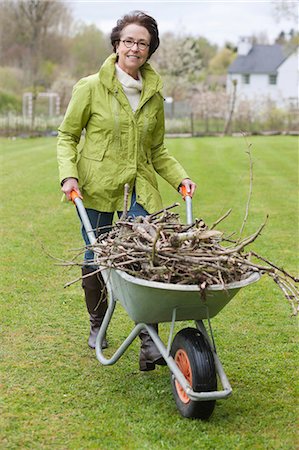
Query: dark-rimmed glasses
[{"x": 129, "y": 43}]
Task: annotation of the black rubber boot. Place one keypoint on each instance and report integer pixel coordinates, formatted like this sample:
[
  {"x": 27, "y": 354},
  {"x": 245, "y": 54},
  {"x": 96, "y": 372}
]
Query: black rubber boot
[
  {"x": 96, "y": 302},
  {"x": 149, "y": 354}
]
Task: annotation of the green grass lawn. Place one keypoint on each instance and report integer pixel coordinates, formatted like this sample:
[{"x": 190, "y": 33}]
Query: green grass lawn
[{"x": 54, "y": 393}]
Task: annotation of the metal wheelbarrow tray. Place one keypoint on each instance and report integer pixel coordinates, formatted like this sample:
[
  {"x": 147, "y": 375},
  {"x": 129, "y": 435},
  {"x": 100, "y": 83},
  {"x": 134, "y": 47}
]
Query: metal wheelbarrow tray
[
  {"x": 191, "y": 356},
  {"x": 151, "y": 301}
]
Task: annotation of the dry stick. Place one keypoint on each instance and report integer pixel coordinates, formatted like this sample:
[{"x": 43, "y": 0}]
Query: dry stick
[
  {"x": 125, "y": 263},
  {"x": 177, "y": 238},
  {"x": 141, "y": 230},
  {"x": 250, "y": 185},
  {"x": 68, "y": 264},
  {"x": 182, "y": 259},
  {"x": 286, "y": 294},
  {"x": 151, "y": 216},
  {"x": 62, "y": 262},
  {"x": 155, "y": 243},
  {"x": 290, "y": 287},
  {"x": 275, "y": 267},
  {"x": 111, "y": 257},
  {"x": 228, "y": 238},
  {"x": 220, "y": 278},
  {"x": 81, "y": 278},
  {"x": 126, "y": 199},
  {"x": 220, "y": 219},
  {"x": 245, "y": 241},
  {"x": 124, "y": 224},
  {"x": 151, "y": 228},
  {"x": 256, "y": 267}
]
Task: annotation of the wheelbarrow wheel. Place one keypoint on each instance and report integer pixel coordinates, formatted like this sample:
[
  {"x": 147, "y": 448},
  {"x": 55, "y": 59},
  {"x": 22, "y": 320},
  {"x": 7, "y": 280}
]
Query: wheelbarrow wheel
[{"x": 194, "y": 358}]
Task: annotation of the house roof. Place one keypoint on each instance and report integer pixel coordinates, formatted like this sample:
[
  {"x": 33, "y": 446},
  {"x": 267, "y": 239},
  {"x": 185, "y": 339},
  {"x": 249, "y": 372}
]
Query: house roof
[{"x": 260, "y": 59}]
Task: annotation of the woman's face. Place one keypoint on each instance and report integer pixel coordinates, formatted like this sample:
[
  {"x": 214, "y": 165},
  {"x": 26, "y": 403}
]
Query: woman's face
[{"x": 131, "y": 59}]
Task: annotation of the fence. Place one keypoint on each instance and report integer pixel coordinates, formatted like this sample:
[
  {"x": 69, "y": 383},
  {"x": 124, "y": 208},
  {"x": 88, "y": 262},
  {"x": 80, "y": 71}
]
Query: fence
[
  {"x": 208, "y": 115},
  {"x": 183, "y": 119},
  {"x": 17, "y": 125}
]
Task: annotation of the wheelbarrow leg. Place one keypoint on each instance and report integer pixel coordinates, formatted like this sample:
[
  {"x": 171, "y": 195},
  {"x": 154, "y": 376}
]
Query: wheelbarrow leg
[
  {"x": 106, "y": 321},
  {"x": 123, "y": 347}
]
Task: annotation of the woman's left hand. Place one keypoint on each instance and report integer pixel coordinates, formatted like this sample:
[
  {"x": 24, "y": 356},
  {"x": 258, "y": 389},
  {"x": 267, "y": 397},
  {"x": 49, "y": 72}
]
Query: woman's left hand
[{"x": 190, "y": 186}]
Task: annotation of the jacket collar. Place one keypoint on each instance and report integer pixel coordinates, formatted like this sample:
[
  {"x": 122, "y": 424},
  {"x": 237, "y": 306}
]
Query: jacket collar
[{"x": 152, "y": 82}]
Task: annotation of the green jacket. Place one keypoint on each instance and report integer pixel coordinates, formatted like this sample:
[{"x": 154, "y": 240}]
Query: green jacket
[{"x": 120, "y": 146}]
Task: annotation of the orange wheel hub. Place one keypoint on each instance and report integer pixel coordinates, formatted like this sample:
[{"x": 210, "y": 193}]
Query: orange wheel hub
[{"x": 183, "y": 363}]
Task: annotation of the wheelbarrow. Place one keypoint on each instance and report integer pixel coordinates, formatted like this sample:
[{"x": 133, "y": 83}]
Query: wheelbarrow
[{"x": 191, "y": 356}]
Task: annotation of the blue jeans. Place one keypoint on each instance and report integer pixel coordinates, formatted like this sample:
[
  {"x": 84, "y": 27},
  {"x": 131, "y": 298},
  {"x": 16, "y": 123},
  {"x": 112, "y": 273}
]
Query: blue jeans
[{"x": 102, "y": 221}]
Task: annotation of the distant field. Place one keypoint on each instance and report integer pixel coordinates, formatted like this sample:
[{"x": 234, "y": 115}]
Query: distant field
[{"x": 54, "y": 393}]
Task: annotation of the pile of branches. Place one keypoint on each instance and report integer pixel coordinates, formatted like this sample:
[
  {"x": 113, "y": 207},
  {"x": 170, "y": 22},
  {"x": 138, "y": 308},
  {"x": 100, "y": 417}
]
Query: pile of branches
[{"x": 159, "y": 248}]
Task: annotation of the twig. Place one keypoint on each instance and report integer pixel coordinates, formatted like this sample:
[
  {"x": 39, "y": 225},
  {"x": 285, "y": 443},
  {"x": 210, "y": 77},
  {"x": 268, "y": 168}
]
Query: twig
[
  {"x": 250, "y": 184},
  {"x": 151, "y": 216},
  {"x": 81, "y": 278},
  {"x": 220, "y": 219},
  {"x": 296, "y": 279},
  {"x": 246, "y": 241},
  {"x": 155, "y": 243},
  {"x": 126, "y": 199},
  {"x": 289, "y": 297}
]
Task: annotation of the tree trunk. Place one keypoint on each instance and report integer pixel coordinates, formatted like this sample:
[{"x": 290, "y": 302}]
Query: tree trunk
[{"x": 227, "y": 128}]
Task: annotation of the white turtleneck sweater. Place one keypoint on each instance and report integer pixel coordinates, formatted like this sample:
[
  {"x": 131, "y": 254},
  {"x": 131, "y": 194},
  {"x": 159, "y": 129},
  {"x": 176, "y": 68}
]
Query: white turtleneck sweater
[{"x": 132, "y": 88}]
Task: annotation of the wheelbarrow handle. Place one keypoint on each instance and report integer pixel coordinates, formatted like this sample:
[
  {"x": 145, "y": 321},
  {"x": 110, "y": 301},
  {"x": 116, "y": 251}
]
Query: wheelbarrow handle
[
  {"x": 188, "y": 199},
  {"x": 83, "y": 216}
]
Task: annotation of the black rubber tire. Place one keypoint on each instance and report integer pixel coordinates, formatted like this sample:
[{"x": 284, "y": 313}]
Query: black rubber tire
[{"x": 191, "y": 342}]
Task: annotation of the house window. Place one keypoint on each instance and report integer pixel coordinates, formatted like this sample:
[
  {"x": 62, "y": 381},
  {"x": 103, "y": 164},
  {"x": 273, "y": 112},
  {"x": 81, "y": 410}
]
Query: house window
[
  {"x": 246, "y": 78},
  {"x": 272, "y": 79}
]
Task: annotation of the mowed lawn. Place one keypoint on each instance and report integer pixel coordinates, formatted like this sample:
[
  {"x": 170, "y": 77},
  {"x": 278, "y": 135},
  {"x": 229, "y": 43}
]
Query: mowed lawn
[{"x": 55, "y": 394}]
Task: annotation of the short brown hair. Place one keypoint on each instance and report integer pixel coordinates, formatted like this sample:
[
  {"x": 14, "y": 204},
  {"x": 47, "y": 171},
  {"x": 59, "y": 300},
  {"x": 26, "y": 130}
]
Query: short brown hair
[{"x": 139, "y": 18}]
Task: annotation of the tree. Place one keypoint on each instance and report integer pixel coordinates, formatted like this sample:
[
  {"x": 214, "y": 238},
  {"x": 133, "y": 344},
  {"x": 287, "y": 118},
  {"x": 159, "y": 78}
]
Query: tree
[
  {"x": 179, "y": 56},
  {"x": 206, "y": 51},
  {"x": 179, "y": 62},
  {"x": 281, "y": 38},
  {"x": 285, "y": 9},
  {"x": 89, "y": 49},
  {"x": 29, "y": 28},
  {"x": 221, "y": 61},
  {"x": 260, "y": 38},
  {"x": 63, "y": 85},
  {"x": 289, "y": 40},
  {"x": 30, "y": 25}
]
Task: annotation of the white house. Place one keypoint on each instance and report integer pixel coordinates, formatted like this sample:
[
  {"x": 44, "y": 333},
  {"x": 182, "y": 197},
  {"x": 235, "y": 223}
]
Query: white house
[{"x": 265, "y": 72}]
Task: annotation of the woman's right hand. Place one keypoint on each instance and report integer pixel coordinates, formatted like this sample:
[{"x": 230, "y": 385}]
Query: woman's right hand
[{"x": 71, "y": 184}]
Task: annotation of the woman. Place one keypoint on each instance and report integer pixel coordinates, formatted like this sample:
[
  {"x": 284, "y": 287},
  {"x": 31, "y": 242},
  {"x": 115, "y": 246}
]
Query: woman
[{"x": 121, "y": 109}]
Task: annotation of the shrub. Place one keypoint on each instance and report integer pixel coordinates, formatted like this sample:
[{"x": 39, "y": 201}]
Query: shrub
[
  {"x": 10, "y": 102},
  {"x": 275, "y": 119},
  {"x": 12, "y": 80}
]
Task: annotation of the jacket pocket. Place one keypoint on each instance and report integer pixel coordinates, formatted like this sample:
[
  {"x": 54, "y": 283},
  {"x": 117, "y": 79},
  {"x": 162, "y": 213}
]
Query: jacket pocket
[{"x": 95, "y": 151}]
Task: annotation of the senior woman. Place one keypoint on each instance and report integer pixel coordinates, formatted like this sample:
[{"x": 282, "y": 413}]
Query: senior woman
[{"x": 121, "y": 110}]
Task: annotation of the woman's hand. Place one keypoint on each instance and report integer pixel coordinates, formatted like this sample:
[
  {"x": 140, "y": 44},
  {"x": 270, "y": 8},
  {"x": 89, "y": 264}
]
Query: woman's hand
[
  {"x": 190, "y": 186},
  {"x": 69, "y": 185}
]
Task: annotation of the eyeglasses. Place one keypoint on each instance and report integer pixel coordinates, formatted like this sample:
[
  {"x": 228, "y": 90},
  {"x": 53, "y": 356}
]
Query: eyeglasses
[{"x": 129, "y": 43}]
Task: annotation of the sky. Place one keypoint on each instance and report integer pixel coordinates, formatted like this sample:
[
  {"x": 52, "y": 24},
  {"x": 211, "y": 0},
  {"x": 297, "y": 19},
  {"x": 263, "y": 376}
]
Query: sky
[{"x": 218, "y": 21}]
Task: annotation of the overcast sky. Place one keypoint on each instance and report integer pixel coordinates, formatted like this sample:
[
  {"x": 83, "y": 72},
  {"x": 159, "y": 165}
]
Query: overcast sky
[{"x": 218, "y": 21}]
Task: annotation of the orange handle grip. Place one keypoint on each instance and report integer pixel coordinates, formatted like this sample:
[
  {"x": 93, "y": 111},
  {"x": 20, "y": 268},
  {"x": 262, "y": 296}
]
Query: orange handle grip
[
  {"x": 74, "y": 195},
  {"x": 184, "y": 192}
]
